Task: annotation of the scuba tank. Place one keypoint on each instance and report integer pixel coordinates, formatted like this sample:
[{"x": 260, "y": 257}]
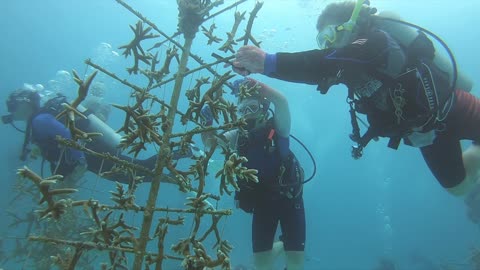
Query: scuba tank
[
  {"x": 405, "y": 34},
  {"x": 108, "y": 142}
]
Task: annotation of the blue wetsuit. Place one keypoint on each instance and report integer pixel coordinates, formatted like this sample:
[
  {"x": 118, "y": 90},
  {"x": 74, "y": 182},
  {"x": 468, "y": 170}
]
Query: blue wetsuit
[
  {"x": 270, "y": 207},
  {"x": 45, "y": 128}
]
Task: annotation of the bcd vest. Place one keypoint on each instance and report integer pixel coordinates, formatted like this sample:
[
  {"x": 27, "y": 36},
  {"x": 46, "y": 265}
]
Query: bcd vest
[
  {"x": 419, "y": 99},
  {"x": 284, "y": 179}
]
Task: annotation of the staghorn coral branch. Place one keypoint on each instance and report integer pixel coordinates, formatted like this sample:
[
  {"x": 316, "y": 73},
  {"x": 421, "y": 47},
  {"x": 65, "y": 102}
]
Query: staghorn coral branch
[
  {"x": 209, "y": 34},
  {"x": 227, "y": 126},
  {"x": 86, "y": 245},
  {"x": 162, "y": 161},
  {"x": 248, "y": 32},
  {"x": 228, "y": 45},
  {"x": 213, "y": 228},
  {"x": 54, "y": 208},
  {"x": 70, "y": 113},
  {"x": 113, "y": 76},
  {"x": 233, "y": 169},
  {"x": 194, "y": 94},
  {"x": 212, "y": 97},
  {"x": 170, "y": 39},
  {"x": 135, "y": 47},
  {"x": 171, "y": 53},
  {"x": 161, "y": 233},
  {"x": 208, "y": 211},
  {"x": 107, "y": 156},
  {"x": 224, "y": 9},
  {"x": 83, "y": 87},
  {"x": 204, "y": 66},
  {"x": 140, "y": 90}
]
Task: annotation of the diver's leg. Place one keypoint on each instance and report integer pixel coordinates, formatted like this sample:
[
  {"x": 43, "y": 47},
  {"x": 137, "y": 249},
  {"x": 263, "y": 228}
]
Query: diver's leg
[
  {"x": 471, "y": 161},
  {"x": 295, "y": 260},
  {"x": 264, "y": 225},
  {"x": 292, "y": 222},
  {"x": 99, "y": 165},
  {"x": 278, "y": 249},
  {"x": 466, "y": 115},
  {"x": 444, "y": 158},
  {"x": 263, "y": 260},
  {"x": 463, "y": 122}
]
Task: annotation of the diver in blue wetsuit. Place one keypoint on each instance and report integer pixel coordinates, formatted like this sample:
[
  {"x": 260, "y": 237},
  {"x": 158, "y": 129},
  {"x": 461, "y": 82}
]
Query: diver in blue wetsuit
[
  {"x": 277, "y": 197},
  {"x": 42, "y": 129}
]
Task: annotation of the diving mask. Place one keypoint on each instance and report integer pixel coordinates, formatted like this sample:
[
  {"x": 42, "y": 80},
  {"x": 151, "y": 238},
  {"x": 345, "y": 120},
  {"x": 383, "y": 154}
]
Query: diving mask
[
  {"x": 13, "y": 103},
  {"x": 249, "y": 108},
  {"x": 334, "y": 36},
  {"x": 326, "y": 37}
]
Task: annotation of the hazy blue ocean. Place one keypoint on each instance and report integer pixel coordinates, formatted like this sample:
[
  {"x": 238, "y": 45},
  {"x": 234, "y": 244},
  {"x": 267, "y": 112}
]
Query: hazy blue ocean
[{"x": 385, "y": 204}]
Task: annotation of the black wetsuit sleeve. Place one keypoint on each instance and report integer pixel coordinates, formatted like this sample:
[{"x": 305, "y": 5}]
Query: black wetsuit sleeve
[
  {"x": 306, "y": 67},
  {"x": 312, "y": 66}
]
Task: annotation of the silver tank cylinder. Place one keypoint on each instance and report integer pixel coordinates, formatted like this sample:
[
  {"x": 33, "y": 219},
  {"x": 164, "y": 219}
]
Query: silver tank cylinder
[{"x": 405, "y": 35}]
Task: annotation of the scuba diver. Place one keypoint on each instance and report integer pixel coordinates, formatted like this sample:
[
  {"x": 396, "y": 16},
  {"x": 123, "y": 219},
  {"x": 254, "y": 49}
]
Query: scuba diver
[
  {"x": 42, "y": 128},
  {"x": 394, "y": 77},
  {"x": 277, "y": 197}
]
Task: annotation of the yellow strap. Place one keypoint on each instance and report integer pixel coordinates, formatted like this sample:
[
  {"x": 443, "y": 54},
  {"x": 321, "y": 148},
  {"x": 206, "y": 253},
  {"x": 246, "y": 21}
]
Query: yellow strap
[{"x": 356, "y": 11}]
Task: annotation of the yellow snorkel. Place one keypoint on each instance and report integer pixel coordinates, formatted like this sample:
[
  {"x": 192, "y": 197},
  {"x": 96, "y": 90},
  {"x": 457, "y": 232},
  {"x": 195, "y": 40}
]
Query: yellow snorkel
[{"x": 350, "y": 24}]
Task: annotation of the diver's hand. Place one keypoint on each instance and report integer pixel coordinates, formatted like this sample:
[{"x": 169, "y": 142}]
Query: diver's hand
[{"x": 249, "y": 59}]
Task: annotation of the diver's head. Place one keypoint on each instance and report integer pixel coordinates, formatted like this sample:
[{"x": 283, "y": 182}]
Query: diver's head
[
  {"x": 254, "y": 108},
  {"x": 341, "y": 23},
  {"x": 21, "y": 105},
  {"x": 97, "y": 89}
]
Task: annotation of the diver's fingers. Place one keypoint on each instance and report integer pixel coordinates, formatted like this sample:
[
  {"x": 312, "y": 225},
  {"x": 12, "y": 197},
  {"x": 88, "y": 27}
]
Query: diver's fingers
[{"x": 241, "y": 70}]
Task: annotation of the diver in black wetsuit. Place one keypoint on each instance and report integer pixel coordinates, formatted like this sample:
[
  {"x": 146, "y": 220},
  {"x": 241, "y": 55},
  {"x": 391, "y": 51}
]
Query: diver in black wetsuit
[{"x": 395, "y": 78}]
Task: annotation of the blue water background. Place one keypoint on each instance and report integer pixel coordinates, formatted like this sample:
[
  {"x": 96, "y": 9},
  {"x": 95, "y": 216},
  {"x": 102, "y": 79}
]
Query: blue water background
[{"x": 386, "y": 204}]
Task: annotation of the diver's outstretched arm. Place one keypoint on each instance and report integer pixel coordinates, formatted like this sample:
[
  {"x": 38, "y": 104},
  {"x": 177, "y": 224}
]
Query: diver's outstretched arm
[{"x": 97, "y": 165}]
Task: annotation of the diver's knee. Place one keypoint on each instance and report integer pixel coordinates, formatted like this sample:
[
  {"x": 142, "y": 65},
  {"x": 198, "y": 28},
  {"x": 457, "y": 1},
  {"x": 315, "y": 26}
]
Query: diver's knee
[
  {"x": 277, "y": 249},
  {"x": 295, "y": 260},
  {"x": 463, "y": 187},
  {"x": 263, "y": 260}
]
